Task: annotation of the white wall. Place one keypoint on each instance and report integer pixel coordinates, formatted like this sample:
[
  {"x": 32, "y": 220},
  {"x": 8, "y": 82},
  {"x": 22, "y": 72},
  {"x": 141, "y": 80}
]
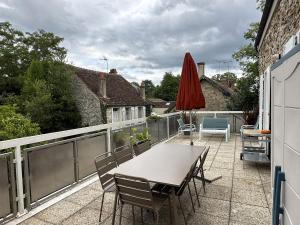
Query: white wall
[{"x": 285, "y": 133}]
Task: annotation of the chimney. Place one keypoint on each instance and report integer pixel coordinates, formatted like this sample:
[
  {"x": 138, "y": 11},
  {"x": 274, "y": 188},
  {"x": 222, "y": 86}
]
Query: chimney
[
  {"x": 142, "y": 90},
  {"x": 201, "y": 66},
  {"x": 113, "y": 71},
  {"x": 102, "y": 86}
]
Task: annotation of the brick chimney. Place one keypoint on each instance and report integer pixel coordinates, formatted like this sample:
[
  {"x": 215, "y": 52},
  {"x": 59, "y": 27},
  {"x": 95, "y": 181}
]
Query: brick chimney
[
  {"x": 201, "y": 67},
  {"x": 142, "y": 90},
  {"x": 102, "y": 86},
  {"x": 113, "y": 71}
]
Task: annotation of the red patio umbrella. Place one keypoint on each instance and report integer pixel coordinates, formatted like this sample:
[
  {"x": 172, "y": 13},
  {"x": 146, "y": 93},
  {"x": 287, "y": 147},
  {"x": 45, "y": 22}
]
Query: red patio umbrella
[{"x": 189, "y": 94}]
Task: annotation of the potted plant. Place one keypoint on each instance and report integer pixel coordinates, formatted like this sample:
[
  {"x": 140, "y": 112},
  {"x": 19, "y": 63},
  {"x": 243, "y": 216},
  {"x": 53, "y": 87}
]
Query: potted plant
[
  {"x": 154, "y": 117},
  {"x": 140, "y": 141}
]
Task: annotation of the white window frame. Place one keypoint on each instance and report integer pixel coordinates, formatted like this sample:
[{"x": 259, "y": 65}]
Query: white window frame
[
  {"x": 130, "y": 113},
  {"x": 114, "y": 120},
  {"x": 140, "y": 112},
  {"x": 265, "y": 100},
  {"x": 267, "y": 103},
  {"x": 261, "y": 100}
]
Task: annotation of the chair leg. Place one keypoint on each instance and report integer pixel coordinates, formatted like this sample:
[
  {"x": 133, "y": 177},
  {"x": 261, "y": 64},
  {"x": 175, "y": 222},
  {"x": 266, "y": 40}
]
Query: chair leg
[
  {"x": 170, "y": 210},
  {"x": 157, "y": 218},
  {"x": 121, "y": 210},
  {"x": 191, "y": 197},
  {"x": 185, "y": 222},
  {"x": 102, "y": 200},
  {"x": 203, "y": 179},
  {"x": 142, "y": 219},
  {"x": 133, "y": 217},
  {"x": 196, "y": 192}
]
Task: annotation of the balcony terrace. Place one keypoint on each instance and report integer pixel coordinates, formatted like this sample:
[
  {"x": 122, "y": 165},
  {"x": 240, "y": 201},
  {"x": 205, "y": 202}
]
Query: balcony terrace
[{"x": 241, "y": 197}]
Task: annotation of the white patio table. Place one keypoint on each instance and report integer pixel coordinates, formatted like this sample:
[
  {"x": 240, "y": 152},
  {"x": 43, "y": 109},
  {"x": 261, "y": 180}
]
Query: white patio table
[{"x": 163, "y": 163}]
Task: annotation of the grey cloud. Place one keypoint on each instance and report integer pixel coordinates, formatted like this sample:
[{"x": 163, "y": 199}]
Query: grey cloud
[{"x": 142, "y": 38}]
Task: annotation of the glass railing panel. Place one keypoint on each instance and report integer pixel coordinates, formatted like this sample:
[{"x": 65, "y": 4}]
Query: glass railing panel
[
  {"x": 88, "y": 147},
  {"x": 50, "y": 168},
  {"x": 7, "y": 185}
]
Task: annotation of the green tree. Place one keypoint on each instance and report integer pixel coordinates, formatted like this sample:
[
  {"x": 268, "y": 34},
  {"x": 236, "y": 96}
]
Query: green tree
[
  {"x": 149, "y": 88},
  {"x": 228, "y": 77},
  {"x": 18, "y": 49},
  {"x": 47, "y": 98},
  {"x": 261, "y": 4},
  {"x": 14, "y": 125},
  {"x": 135, "y": 84},
  {"x": 167, "y": 90},
  {"x": 246, "y": 94}
]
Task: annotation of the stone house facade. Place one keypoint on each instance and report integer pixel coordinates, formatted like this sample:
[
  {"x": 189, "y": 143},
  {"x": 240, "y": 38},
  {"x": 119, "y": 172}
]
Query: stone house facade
[
  {"x": 279, "y": 32},
  {"x": 278, "y": 46},
  {"x": 216, "y": 95},
  {"x": 106, "y": 97}
]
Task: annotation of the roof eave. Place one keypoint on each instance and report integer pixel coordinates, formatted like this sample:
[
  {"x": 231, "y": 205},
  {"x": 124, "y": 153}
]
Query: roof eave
[{"x": 263, "y": 22}]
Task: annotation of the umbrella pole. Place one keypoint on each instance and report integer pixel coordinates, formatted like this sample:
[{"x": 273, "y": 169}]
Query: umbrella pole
[{"x": 191, "y": 132}]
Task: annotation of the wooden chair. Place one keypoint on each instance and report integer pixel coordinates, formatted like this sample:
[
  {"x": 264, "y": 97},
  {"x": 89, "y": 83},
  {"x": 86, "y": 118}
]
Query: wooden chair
[
  {"x": 137, "y": 192},
  {"x": 105, "y": 163},
  {"x": 123, "y": 155}
]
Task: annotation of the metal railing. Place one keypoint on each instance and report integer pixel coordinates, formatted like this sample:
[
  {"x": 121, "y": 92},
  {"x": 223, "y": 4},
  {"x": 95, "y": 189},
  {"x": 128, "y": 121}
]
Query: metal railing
[
  {"x": 48, "y": 163},
  {"x": 8, "y": 207}
]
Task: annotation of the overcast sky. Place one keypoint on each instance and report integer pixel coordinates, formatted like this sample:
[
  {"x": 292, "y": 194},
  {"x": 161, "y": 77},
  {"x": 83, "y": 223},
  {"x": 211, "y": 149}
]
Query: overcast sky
[{"x": 142, "y": 39}]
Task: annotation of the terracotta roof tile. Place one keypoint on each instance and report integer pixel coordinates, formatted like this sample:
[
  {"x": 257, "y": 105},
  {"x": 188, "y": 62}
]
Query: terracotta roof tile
[{"x": 118, "y": 90}]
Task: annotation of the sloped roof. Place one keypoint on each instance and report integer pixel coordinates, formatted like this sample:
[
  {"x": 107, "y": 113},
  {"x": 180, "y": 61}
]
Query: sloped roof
[
  {"x": 159, "y": 103},
  {"x": 118, "y": 90},
  {"x": 225, "y": 90},
  {"x": 263, "y": 22}
]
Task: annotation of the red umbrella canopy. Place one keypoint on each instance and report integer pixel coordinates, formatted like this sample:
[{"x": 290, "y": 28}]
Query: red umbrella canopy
[{"x": 189, "y": 94}]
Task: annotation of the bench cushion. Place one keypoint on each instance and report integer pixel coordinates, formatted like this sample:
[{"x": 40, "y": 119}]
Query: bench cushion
[{"x": 214, "y": 123}]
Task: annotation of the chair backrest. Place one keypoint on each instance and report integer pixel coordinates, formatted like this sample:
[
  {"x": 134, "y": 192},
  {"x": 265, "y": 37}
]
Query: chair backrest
[
  {"x": 202, "y": 158},
  {"x": 123, "y": 155},
  {"x": 134, "y": 191},
  {"x": 105, "y": 163},
  {"x": 187, "y": 179},
  {"x": 181, "y": 123},
  {"x": 214, "y": 123}
]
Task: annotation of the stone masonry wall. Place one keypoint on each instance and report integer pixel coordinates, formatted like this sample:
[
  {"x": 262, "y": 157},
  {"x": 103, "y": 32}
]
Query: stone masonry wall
[
  {"x": 87, "y": 102},
  {"x": 284, "y": 24},
  {"x": 214, "y": 98}
]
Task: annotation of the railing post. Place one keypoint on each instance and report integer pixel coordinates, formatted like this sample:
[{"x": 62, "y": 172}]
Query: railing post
[
  {"x": 108, "y": 140},
  {"x": 19, "y": 179},
  {"x": 168, "y": 127}
]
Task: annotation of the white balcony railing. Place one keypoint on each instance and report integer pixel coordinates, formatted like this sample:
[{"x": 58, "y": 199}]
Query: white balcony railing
[{"x": 159, "y": 130}]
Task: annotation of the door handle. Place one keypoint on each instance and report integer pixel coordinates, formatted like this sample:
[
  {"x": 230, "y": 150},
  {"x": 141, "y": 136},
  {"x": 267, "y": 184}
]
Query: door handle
[{"x": 277, "y": 209}]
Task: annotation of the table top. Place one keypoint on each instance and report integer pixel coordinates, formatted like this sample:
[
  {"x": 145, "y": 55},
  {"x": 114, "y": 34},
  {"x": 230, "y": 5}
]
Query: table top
[{"x": 163, "y": 163}]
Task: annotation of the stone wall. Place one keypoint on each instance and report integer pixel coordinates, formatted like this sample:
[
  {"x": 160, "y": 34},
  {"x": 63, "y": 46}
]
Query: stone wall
[
  {"x": 214, "y": 98},
  {"x": 284, "y": 24},
  {"x": 87, "y": 103}
]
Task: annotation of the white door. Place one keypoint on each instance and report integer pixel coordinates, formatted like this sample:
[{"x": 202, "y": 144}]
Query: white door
[{"x": 285, "y": 77}]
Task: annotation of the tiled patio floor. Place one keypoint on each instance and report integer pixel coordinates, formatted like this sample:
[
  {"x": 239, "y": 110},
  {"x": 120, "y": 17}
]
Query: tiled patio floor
[{"x": 241, "y": 197}]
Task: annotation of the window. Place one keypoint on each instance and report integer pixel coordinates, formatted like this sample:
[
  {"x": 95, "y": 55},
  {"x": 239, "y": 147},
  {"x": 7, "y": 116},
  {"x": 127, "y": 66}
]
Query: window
[
  {"x": 127, "y": 113},
  {"x": 140, "y": 112},
  {"x": 116, "y": 115}
]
